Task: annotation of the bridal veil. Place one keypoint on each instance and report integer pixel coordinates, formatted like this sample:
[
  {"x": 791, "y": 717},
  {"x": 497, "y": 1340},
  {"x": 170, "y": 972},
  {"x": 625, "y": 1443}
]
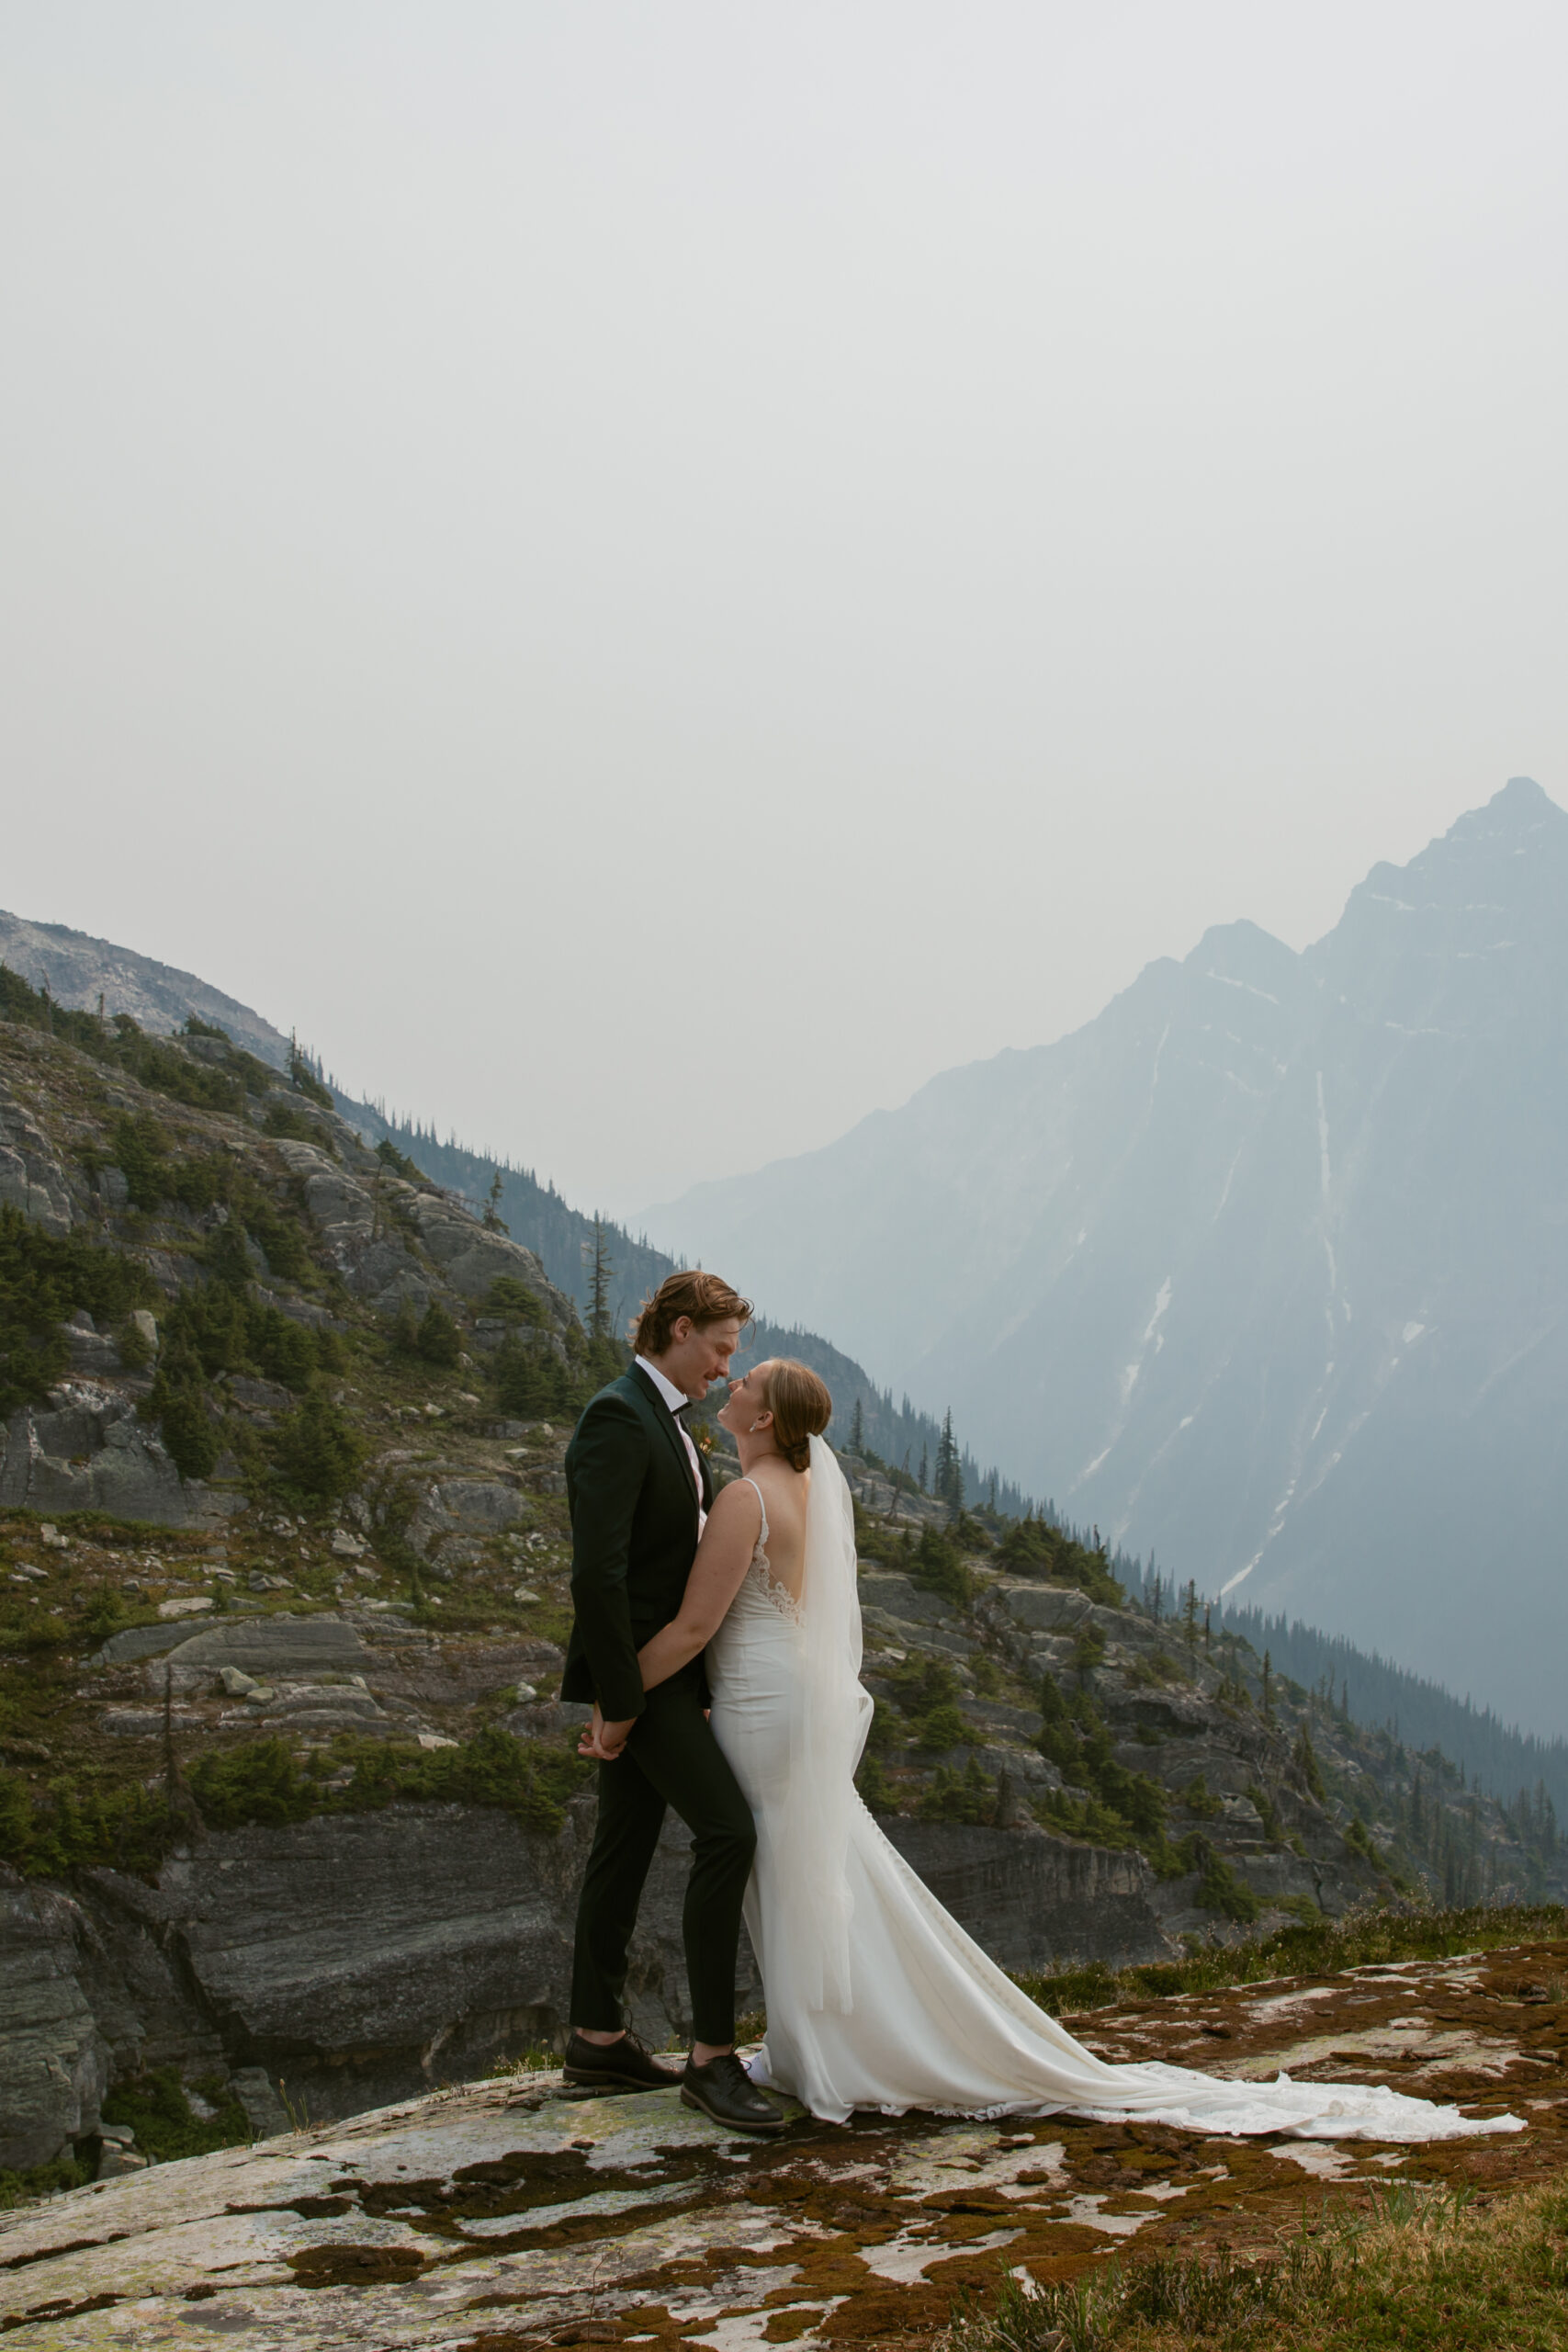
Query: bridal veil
[{"x": 829, "y": 1716}]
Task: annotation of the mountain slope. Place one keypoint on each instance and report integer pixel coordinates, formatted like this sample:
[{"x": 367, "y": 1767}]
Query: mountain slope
[
  {"x": 80, "y": 972},
  {"x": 77, "y": 969},
  {"x": 284, "y": 1582},
  {"x": 1267, "y": 1265}
]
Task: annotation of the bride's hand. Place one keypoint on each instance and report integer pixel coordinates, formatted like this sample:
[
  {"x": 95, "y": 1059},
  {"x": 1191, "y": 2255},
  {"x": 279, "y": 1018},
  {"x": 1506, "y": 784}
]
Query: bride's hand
[
  {"x": 588, "y": 1738},
  {"x": 601, "y": 1743}
]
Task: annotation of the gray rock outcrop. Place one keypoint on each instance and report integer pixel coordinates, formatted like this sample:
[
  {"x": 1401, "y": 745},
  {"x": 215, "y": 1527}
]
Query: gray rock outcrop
[
  {"x": 371, "y": 1224},
  {"x": 455, "y": 1515},
  {"x": 53, "y": 2059},
  {"x": 271, "y": 1648},
  {"x": 31, "y": 1177},
  {"x": 89, "y": 1452},
  {"x": 1035, "y": 1901}
]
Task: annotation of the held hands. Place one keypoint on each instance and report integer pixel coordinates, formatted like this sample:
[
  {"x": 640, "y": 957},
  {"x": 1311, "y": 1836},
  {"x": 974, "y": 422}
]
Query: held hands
[{"x": 601, "y": 1742}]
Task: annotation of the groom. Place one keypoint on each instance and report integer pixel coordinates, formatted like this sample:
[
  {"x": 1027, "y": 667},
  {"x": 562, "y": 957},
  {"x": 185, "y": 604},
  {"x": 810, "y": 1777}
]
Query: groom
[{"x": 639, "y": 1492}]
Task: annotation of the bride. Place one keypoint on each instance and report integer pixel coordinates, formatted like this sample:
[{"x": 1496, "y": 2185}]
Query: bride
[{"x": 875, "y": 1997}]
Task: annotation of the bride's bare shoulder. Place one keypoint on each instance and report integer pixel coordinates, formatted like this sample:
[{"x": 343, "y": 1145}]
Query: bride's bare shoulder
[
  {"x": 784, "y": 1488},
  {"x": 736, "y": 1500}
]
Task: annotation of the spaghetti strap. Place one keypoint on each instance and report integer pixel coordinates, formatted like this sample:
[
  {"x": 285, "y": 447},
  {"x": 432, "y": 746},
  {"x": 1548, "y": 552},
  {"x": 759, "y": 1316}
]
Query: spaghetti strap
[{"x": 758, "y": 1492}]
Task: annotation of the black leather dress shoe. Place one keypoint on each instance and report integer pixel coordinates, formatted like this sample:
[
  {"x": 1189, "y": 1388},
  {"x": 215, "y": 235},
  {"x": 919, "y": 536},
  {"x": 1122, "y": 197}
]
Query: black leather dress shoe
[
  {"x": 723, "y": 2091},
  {"x": 624, "y": 2065}
]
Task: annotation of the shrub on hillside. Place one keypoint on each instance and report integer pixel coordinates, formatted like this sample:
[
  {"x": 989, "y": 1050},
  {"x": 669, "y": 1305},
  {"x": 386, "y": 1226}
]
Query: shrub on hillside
[
  {"x": 191, "y": 1431},
  {"x": 969, "y": 1796},
  {"x": 262, "y": 1783},
  {"x": 166, "y": 2126},
  {"x": 936, "y": 1564},
  {"x": 1219, "y": 1887},
  {"x": 318, "y": 1452},
  {"x": 285, "y": 1119},
  {"x": 878, "y": 1790},
  {"x": 440, "y": 1341},
  {"x": 44, "y": 1279},
  {"x": 1075, "y": 1737},
  {"x": 1032, "y": 1548},
  {"x": 259, "y": 1783},
  {"x": 157, "y": 1170},
  {"x": 397, "y": 1162},
  {"x": 530, "y": 1380},
  {"x": 509, "y": 1296},
  {"x": 69, "y": 1826}
]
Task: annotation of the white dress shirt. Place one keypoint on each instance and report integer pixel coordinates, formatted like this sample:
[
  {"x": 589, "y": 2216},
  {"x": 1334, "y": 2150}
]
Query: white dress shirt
[{"x": 675, "y": 1397}]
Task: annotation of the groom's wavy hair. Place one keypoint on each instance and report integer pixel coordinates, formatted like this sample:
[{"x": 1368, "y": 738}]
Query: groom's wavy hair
[
  {"x": 801, "y": 1405},
  {"x": 704, "y": 1297}
]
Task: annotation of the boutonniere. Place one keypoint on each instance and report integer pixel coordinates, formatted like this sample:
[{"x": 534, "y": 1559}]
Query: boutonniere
[{"x": 702, "y": 1437}]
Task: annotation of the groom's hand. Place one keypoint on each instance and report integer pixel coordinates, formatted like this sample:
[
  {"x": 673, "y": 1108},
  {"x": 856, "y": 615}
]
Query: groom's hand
[{"x": 601, "y": 1742}]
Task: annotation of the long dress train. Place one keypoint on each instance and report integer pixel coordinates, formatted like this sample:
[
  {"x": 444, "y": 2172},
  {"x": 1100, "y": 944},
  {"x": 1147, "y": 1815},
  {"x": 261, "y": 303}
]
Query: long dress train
[{"x": 875, "y": 1997}]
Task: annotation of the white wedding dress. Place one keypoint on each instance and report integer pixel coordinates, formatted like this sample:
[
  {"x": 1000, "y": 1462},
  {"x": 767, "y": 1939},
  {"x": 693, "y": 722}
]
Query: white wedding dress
[{"x": 875, "y": 1997}]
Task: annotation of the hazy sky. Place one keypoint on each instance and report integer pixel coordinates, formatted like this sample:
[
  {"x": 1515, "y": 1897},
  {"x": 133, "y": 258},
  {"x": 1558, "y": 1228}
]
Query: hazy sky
[{"x": 651, "y": 575}]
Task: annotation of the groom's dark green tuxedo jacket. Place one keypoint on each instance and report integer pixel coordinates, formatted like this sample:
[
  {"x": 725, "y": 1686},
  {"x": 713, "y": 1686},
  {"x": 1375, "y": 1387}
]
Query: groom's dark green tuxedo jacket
[{"x": 634, "y": 1535}]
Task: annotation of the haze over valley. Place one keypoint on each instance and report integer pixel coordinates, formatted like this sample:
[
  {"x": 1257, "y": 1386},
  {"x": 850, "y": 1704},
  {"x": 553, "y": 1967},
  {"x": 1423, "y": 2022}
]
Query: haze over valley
[{"x": 1265, "y": 1268}]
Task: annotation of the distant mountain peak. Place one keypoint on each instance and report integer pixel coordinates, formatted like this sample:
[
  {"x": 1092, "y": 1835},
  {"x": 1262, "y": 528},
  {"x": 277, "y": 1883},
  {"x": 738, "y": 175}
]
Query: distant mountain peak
[
  {"x": 1522, "y": 806},
  {"x": 1267, "y": 1264},
  {"x": 1523, "y": 792},
  {"x": 1245, "y": 952}
]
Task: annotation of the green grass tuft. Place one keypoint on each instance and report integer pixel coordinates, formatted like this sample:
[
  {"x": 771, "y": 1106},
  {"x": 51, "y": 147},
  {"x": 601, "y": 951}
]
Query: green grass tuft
[{"x": 165, "y": 2124}]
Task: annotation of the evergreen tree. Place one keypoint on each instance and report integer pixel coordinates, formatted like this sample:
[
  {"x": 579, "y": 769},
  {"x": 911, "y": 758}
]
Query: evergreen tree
[
  {"x": 857, "y": 1430},
  {"x": 307, "y": 1079},
  {"x": 318, "y": 1450},
  {"x": 189, "y": 1428},
  {"x": 599, "y": 1271},
  {"x": 530, "y": 1380},
  {"x": 1306, "y": 1759},
  {"x": 227, "y": 1257},
  {"x": 925, "y": 1470},
  {"x": 949, "y": 1467},
  {"x": 1189, "y": 1616},
  {"x": 494, "y": 1222},
  {"x": 1267, "y": 1674},
  {"x": 440, "y": 1341}
]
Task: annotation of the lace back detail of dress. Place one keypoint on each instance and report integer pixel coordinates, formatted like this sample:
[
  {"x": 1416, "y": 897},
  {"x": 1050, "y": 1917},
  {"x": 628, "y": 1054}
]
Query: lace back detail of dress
[{"x": 760, "y": 1573}]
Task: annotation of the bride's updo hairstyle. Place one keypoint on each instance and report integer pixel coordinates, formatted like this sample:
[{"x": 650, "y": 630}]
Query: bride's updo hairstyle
[{"x": 801, "y": 1407}]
